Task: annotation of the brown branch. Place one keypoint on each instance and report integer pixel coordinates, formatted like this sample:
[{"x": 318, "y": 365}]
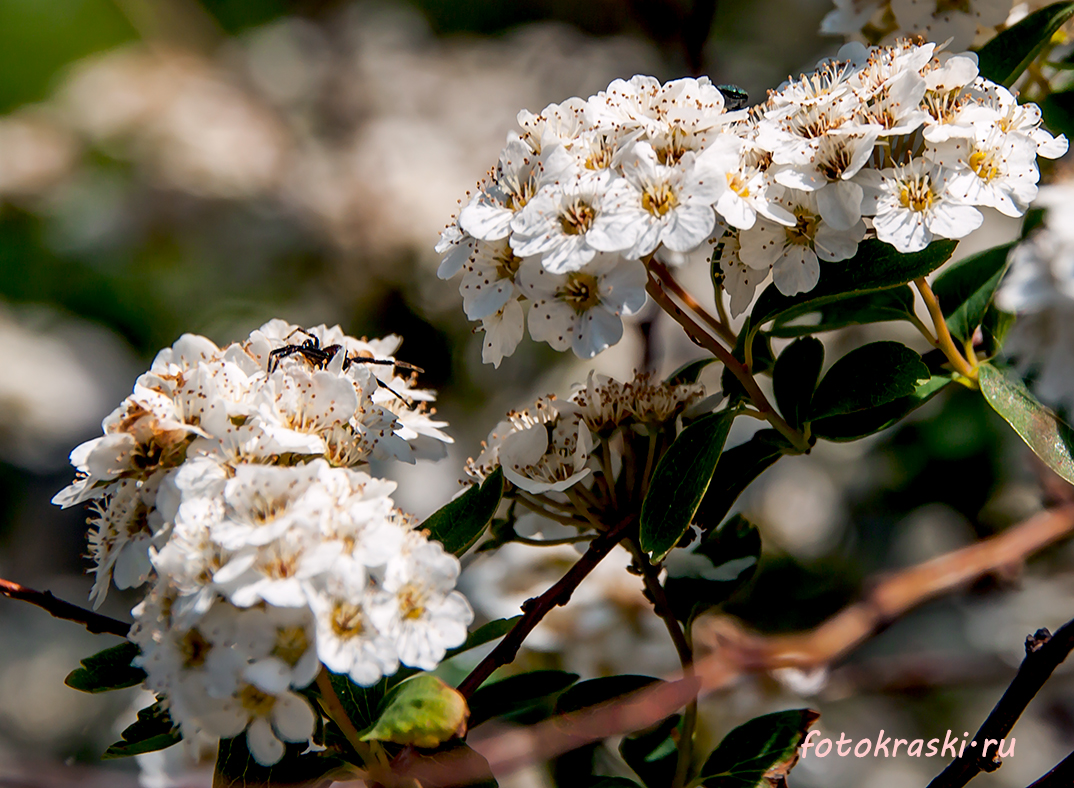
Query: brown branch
[
  {"x": 94, "y": 622},
  {"x": 739, "y": 653},
  {"x": 1061, "y": 776},
  {"x": 664, "y": 275},
  {"x": 533, "y": 610},
  {"x": 1044, "y": 653}
]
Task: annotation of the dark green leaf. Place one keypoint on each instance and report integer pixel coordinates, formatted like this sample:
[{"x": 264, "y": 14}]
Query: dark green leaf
[
  {"x": 689, "y": 372},
  {"x": 853, "y": 426},
  {"x": 868, "y": 377},
  {"x": 110, "y": 669},
  {"x": 459, "y": 523},
  {"x": 596, "y": 691},
  {"x": 876, "y": 266},
  {"x": 717, "y": 567},
  {"x": 764, "y": 747},
  {"x": 795, "y": 376},
  {"x": 362, "y": 704},
  {"x": 994, "y": 328},
  {"x": 236, "y": 767},
  {"x": 679, "y": 482},
  {"x": 153, "y": 730},
  {"x": 1050, "y": 438},
  {"x": 1058, "y": 110},
  {"x": 735, "y": 471},
  {"x": 612, "y": 782},
  {"x": 423, "y": 711},
  {"x": 515, "y": 695},
  {"x": 1005, "y": 57},
  {"x": 761, "y": 361},
  {"x": 653, "y": 753},
  {"x": 877, "y": 307},
  {"x": 965, "y": 289}
]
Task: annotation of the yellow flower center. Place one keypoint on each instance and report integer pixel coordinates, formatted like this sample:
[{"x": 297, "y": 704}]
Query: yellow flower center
[
  {"x": 738, "y": 184},
  {"x": 804, "y": 230},
  {"x": 347, "y": 620},
  {"x": 984, "y": 164},
  {"x": 658, "y": 199},
  {"x": 917, "y": 194},
  {"x": 577, "y": 217},
  {"x": 410, "y": 603},
  {"x": 581, "y": 292},
  {"x": 194, "y": 648},
  {"x": 258, "y": 703},
  {"x": 947, "y": 6},
  {"x": 507, "y": 264},
  {"x": 291, "y": 644}
]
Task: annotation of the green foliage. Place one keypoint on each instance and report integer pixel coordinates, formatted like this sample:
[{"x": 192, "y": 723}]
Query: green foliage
[
  {"x": 459, "y": 523},
  {"x": 725, "y": 559},
  {"x": 106, "y": 670},
  {"x": 1046, "y": 434},
  {"x": 423, "y": 711},
  {"x": 965, "y": 289},
  {"x": 690, "y": 371},
  {"x": 853, "y": 426},
  {"x": 795, "y": 376},
  {"x": 896, "y": 303},
  {"x": 1058, "y": 111},
  {"x": 362, "y": 704},
  {"x": 153, "y": 730},
  {"x": 679, "y": 482},
  {"x": 519, "y": 695},
  {"x": 653, "y": 753},
  {"x": 994, "y": 327},
  {"x": 596, "y": 691},
  {"x": 1005, "y": 57},
  {"x": 612, "y": 782},
  {"x": 761, "y": 361},
  {"x": 876, "y": 266},
  {"x": 868, "y": 377},
  {"x": 757, "y": 753},
  {"x": 236, "y": 767},
  {"x": 735, "y": 471}
]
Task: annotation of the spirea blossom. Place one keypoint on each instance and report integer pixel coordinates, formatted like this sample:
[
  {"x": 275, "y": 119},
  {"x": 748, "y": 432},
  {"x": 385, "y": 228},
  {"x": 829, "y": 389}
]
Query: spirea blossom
[
  {"x": 905, "y": 143},
  {"x": 235, "y": 483}
]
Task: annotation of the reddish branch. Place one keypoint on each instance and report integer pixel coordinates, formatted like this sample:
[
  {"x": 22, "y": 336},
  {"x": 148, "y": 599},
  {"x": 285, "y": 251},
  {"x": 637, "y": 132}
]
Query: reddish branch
[
  {"x": 533, "y": 610},
  {"x": 94, "y": 622},
  {"x": 1044, "y": 653}
]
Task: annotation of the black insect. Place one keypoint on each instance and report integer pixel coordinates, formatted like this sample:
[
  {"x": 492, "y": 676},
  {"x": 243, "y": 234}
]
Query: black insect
[
  {"x": 734, "y": 97},
  {"x": 319, "y": 357}
]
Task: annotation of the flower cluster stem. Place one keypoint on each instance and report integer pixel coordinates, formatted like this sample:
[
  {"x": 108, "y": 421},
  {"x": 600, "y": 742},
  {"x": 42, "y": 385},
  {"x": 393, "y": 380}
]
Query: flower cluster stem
[
  {"x": 534, "y": 610},
  {"x": 711, "y": 344},
  {"x": 681, "y": 639},
  {"x": 943, "y": 340},
  {"x": 718, "y": 324},
  {"x": 334, "y": 708}
]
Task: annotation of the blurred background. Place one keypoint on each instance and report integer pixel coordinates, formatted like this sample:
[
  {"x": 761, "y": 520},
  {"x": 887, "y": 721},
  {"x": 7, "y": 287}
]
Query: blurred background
[{"x": 205, "y": 165}]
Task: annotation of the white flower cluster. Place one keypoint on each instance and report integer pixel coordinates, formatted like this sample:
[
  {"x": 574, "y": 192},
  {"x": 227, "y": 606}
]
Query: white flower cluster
[
  {"x": 906, "y": 142},
  {"x": 229, "y": 481},
  {"x": 965, "y": 22},
  {"x": 547, "y": 448},
  {"x": 1039, "y": 287}
]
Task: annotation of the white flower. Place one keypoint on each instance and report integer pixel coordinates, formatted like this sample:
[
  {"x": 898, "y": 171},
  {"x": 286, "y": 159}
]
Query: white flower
[
  {"x": 489, "y": 281},
  {"x": 568, "y": 224},
  {"x": 417, "y": 607},
  {"x": 557, "y": 123},
  {"x": 278, "y": 647},
  {"x": 457, "y": 247},
  {"x": 538, "y": 465},
  {"x": 850, "y": 16},
  {"x": 672, "y": 205},
  {"x": 543, "y": 411},
  {"x": 792, "y": 253},
  {"x": 942, "y": 21},
  {"x": 911, "y": 205},
  {"x": 503, "y": 332},
  {"x": 739, "y": 280},
  {"x": 582, "y": 310},
  {"x": 520, "y": 175},
  {"x": 991, "y": 168}
]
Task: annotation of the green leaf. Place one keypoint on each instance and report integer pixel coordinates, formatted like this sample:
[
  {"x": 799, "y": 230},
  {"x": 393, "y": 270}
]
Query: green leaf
[
  {"x": 866, "y": 378},
  {"x": 1050, "y": 438},
  {"x": 423, "y": 711},
  {"x": 236, "y": 767},
  {"x": 795, "y": 376},
  {"x": 653, "y": 753},
  {"x": 876, "y": 266},
  {"x": 362, "y": 704},
  {"x": 612, "y": 782},
  {"x": 757, "y": 753},
  {"x": 689, "y": 372},
  {"x": 853, "y": 426},
  {"x": 965, "y": 289},
  {"x": 516, "y": 695},
  {"x": 106, "y": 670},
  {"x": 1058, "y": 111},
  {"x": 1005, "y": 57},
  {"x": 761, "y": 361},
  {"x": 153, "y": 730},
  {"x": 877, "y": 307},
  {"x": 596, "y": 691},
  {"x": 459, "y": 523},
  {"x": 717, "y": 567},
  {"x": 735, "y": 471},
  {"x": 994, "y": 328},
  {"x": 679, "y": 482}
]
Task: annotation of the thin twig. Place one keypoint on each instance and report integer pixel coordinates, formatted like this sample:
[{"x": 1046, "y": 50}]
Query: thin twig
[
  {"x": 1062, "y": 776},
  {"x": 943, "y": 337},
  {"x": 1044, "y": 653},
  {"x": 94, "y": 622},
  {"x": 707, "y": 341},
  {"x": 337, "y": 712},
  {"x": 533, "y": 610},
  {"x": 722, "y": 329}
]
